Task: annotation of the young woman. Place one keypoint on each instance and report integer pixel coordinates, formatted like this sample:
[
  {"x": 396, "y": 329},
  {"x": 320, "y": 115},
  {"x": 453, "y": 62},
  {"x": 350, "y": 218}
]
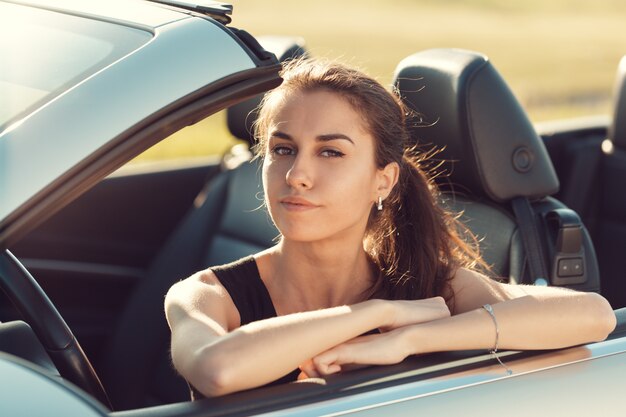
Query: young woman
[{"x": 369, "y": 268}]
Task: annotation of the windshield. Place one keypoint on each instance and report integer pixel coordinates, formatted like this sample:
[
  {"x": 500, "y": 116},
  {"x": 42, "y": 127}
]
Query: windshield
[{"x": 45, "y": 53}]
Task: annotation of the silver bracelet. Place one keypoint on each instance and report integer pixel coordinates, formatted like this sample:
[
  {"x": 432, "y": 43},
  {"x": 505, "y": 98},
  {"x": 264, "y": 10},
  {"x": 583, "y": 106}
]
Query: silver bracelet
[
  {"x": 494, "y": 351},
  {"x": 495, "y": 322}
]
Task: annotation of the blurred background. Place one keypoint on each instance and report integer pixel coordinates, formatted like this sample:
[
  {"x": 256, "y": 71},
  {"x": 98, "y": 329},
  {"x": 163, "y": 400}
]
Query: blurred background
[{"x": 559, "y": 56}]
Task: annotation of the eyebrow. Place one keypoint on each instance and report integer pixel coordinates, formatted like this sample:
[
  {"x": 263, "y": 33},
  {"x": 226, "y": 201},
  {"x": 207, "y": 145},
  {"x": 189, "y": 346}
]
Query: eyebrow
[{"x": 321, "y": 138}]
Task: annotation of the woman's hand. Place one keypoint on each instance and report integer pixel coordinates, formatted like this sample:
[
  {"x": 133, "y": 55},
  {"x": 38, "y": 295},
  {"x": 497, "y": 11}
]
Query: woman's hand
[
  {"x": 406, "y": 313},
  {"x": 376, "y": 349}
]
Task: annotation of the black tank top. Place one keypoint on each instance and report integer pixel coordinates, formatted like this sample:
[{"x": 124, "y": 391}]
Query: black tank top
[{"x": 243, "y": 282}]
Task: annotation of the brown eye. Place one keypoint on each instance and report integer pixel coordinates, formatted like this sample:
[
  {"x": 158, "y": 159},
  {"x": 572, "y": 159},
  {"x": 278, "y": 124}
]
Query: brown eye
[
  {"x": 331, "y": 153},
  {"x": 282, "y": 150}
]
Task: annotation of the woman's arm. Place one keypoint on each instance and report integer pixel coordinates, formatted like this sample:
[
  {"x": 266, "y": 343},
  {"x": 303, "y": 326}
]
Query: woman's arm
[
  {"x": 217, "y": 357},
  {"x": 528, "y": 317},
  {"x": 544, "y": 319}
]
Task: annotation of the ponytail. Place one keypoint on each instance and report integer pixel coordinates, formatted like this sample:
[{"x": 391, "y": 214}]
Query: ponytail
[{"x": 414, "y": 241}]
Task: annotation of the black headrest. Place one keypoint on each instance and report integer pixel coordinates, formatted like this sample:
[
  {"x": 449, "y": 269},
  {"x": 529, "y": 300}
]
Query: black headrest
[
  {"x": 493, "y": 147},
  {"x": 617, "y": 130},
  {"x": 241, "y": 116}
]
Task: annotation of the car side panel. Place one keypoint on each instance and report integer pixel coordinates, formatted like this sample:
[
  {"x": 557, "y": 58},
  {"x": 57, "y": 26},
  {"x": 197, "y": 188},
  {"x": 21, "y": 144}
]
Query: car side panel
[
  {"x": 578, "y": 381},
  {"x": 578, "y": 389}
]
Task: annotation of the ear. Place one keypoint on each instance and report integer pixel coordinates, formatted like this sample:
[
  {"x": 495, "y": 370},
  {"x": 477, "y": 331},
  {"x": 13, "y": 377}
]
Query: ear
[{"x": 386, "y": 178}]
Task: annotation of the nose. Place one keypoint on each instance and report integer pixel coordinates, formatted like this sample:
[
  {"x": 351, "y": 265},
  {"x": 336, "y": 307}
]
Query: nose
[{"x": 299, "y": 175}]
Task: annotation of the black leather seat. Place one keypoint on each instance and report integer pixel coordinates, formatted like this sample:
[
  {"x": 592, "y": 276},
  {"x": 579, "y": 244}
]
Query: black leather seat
[
  {"x": 494, "y": 158},
  {"x": 226, "y": 223}
]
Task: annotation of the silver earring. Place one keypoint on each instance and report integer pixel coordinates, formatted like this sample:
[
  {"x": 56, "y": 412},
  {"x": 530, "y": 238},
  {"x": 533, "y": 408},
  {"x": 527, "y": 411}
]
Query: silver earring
[{"x": 379, "y": 206}]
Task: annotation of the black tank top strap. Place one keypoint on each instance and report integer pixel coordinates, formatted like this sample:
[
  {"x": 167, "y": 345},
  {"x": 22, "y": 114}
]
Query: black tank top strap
[{"x": 243, "y": 282}]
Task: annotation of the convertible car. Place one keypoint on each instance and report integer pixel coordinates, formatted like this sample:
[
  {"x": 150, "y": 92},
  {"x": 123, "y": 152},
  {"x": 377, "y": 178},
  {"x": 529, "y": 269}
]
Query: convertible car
[{"x": 89, "y": 245}]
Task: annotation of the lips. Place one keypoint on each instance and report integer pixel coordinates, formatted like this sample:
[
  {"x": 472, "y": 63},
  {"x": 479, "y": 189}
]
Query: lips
[{"x": 293, "y": 203}]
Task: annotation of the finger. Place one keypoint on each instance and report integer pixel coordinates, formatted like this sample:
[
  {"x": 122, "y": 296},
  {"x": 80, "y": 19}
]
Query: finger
[
  {"x": 353, "y": 351},
  {"x": 326, "y": 362},
  {"x": 325, "y": 369},
  {"x": 333, "y": 369},
  {"x": 309, "y": 369},
  {"x": 318, "y": 372},
  {"x": 365, "y": 350}
]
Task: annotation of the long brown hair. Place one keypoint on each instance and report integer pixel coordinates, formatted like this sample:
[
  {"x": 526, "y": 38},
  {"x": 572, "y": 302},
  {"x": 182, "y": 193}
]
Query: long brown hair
[{"x": 416, "y": 244}]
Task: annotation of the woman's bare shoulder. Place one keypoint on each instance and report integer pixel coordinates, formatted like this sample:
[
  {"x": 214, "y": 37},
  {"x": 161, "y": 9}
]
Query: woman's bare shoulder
[
  {"x": 202, "y": 293},
  {"x": 203, "y": 283}
]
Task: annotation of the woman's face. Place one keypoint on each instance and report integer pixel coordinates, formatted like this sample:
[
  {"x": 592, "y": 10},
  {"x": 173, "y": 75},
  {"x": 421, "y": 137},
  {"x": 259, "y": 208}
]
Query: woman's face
[{"x": 319, "y": 171}]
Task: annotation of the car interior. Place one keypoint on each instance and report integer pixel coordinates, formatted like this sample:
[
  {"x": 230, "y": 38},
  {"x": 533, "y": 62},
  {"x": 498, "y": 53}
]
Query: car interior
[{"x": 107, "y": 259}]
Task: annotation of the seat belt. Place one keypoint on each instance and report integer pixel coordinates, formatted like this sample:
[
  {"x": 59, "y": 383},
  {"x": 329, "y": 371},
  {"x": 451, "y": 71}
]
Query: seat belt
[{"x": 525, "y": 216}]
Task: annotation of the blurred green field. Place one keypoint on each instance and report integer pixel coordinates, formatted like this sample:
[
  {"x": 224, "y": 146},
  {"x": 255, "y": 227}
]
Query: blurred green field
[{"x": 559, "y": 56}]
